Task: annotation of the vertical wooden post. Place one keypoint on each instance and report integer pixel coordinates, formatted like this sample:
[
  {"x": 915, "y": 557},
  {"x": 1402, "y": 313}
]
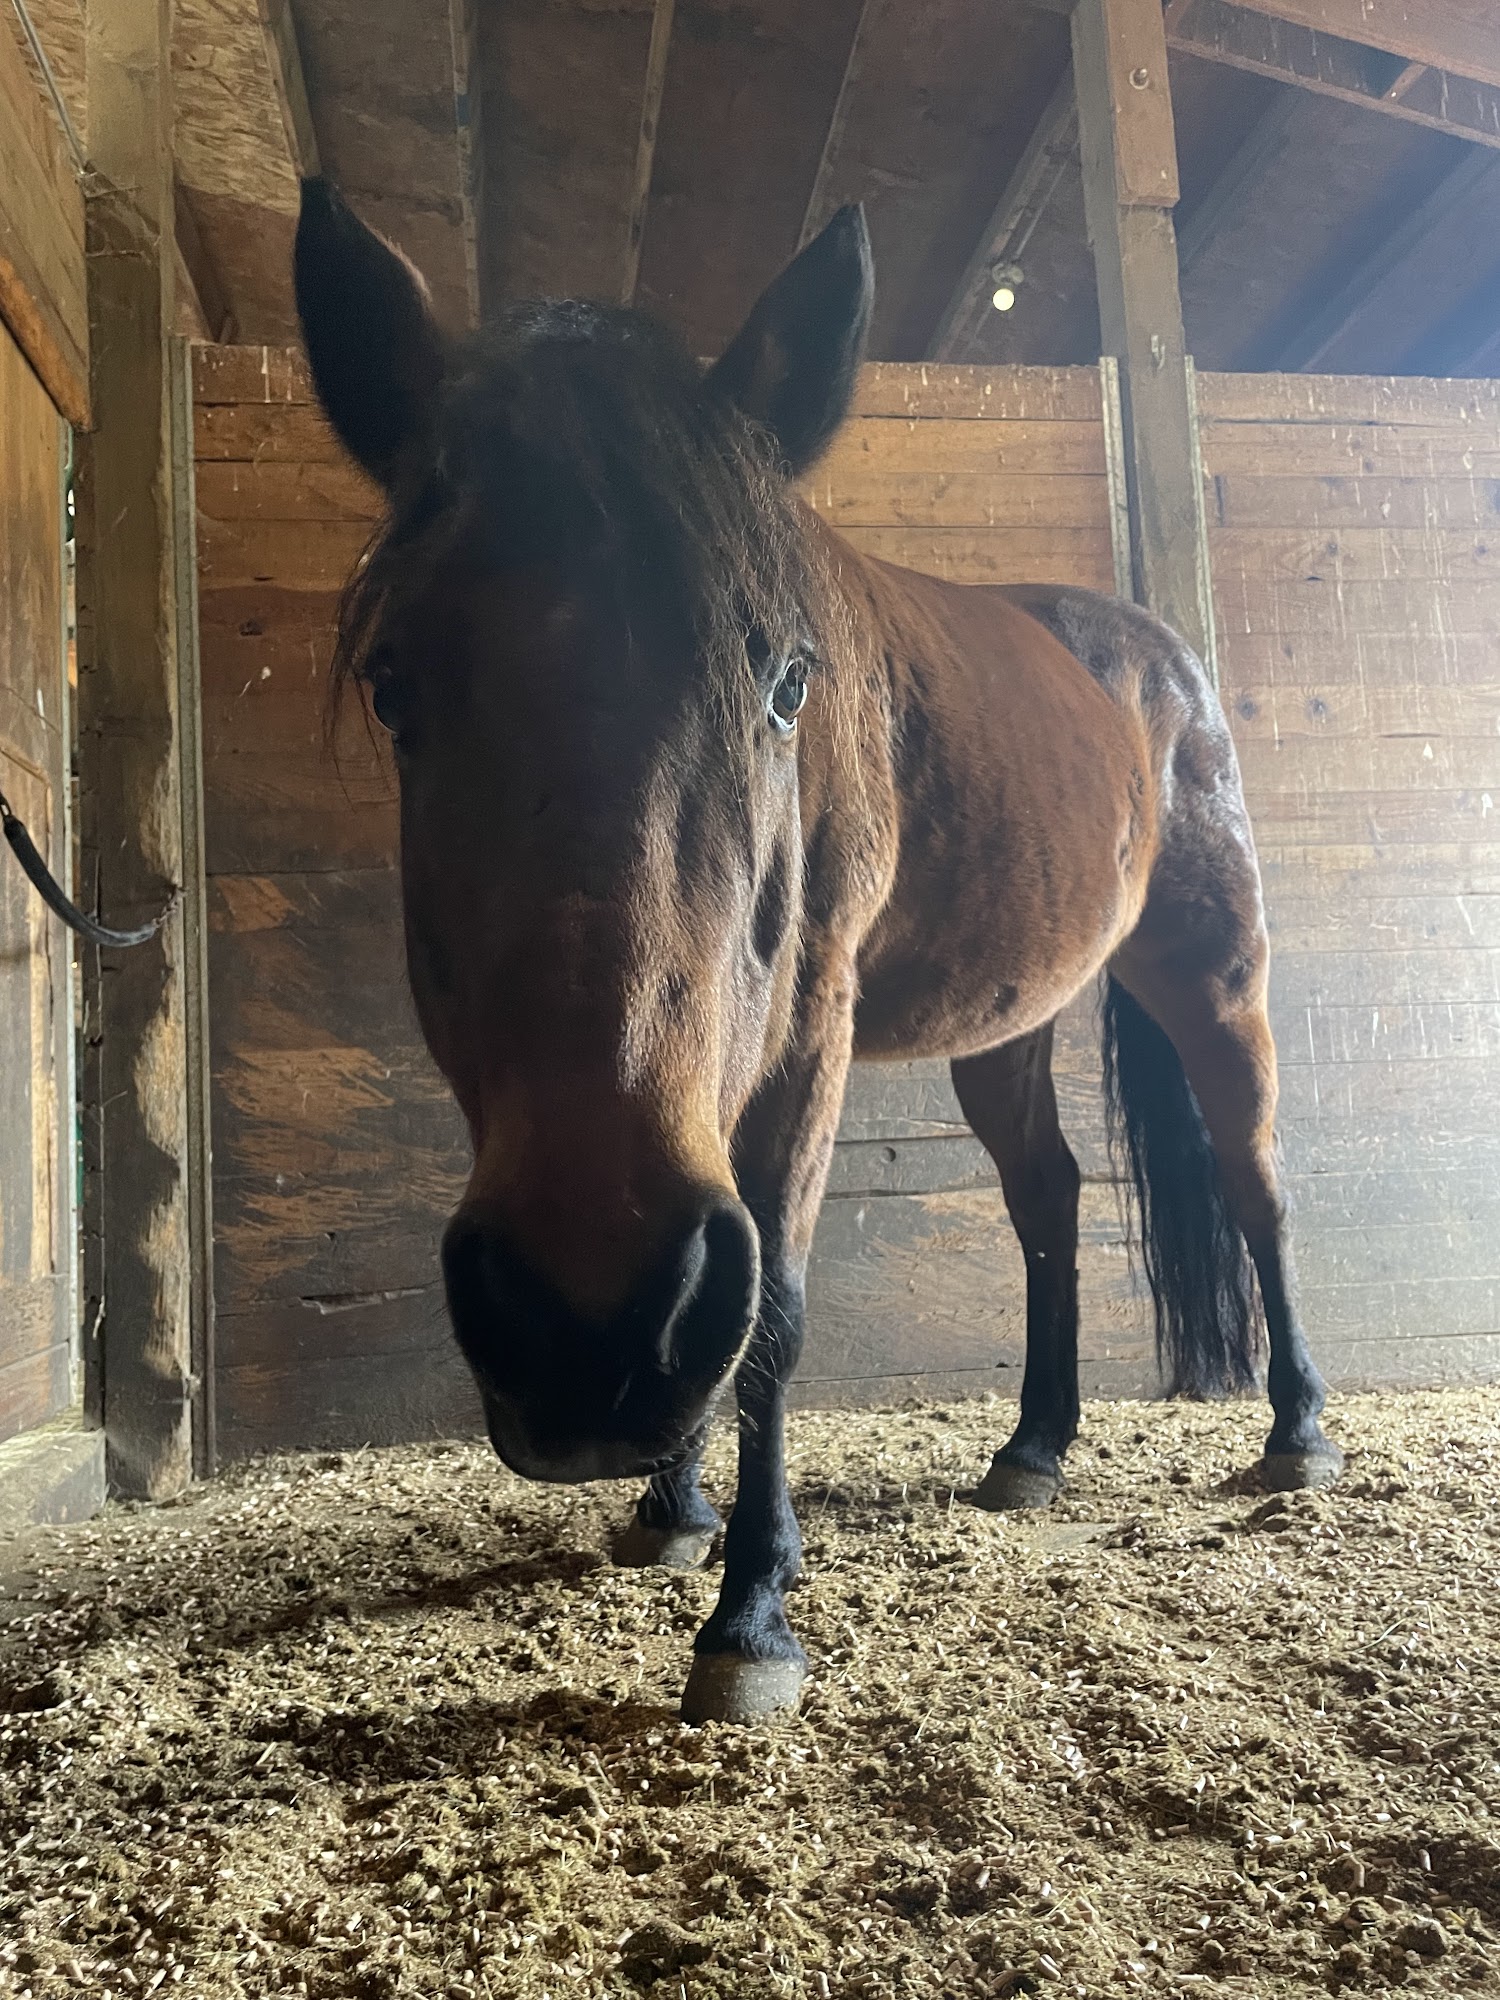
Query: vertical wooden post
[
  {"x": 130, "y": 752},
  {"x": 1130, "y": 189}
]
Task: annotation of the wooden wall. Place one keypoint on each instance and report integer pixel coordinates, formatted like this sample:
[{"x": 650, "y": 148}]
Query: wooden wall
[
  {"x": 37, "y": 1345},
  {"x": 1357, "y": 633},
  {"x": 1355, "y": 538}
]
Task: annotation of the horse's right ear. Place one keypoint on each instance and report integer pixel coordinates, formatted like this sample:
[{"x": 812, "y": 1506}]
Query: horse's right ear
[
  {"x": 793, "y": 364},
  {"x": 376, "y": 352}
]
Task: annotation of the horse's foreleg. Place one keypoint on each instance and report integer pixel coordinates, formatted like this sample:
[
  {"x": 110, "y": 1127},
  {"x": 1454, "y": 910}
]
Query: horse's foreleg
[
  {"x": 1008, "y": 1098},
  {"x": 747, "y": 1661},
  {"x": 673, "y": 1526}
]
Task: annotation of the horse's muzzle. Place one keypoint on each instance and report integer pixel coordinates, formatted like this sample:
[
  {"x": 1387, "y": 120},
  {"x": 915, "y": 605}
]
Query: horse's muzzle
[{"x": 572, "y": 1399}]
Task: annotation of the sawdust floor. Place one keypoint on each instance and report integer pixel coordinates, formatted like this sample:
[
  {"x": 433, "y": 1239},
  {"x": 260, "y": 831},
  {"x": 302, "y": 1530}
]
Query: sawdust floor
[{"x": 387, "y": 1724}]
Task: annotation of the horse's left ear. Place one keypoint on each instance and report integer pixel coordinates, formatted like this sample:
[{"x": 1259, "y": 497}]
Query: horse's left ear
[
  {"x": 792, "y": 365},
  {"x": 378, "y": 356}
]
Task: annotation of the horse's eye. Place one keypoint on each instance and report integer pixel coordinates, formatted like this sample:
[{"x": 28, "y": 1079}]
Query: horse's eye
[
  {"x": 788, "y": 695},
  {"x": 385, "y": 699}
]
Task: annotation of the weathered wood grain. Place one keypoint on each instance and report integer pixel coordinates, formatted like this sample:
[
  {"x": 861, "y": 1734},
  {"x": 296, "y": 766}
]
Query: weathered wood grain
[
  {"x": 38, "y": 1332},
  {"x": 43, "y": 290}
]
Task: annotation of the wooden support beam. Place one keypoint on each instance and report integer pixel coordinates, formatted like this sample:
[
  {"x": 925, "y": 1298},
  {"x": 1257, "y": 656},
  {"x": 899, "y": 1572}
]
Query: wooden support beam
[
  {"x": 284, "y": 56},
  {"x": 1456, "y": 35},
  {"x": 1023, "y": 200},
  {"x": 820, "y": 202},
  {"x": 1314, "y": 341},
  {"x": 1219, "y": 32},
  {"x": 136, "y": 1101},
  {"x": 645, "y": 151},
  {"x": 1130, "y": 188}
]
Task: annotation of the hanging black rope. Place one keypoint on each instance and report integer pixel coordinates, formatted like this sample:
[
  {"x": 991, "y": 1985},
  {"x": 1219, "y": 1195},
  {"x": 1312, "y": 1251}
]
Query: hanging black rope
[{"x": 50, "y": 891}]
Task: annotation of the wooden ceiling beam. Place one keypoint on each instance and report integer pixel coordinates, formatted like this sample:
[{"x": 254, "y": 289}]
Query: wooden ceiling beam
[
  {"x": 1456, "y": 35},
  {"x": 1241, "y": 36},
  {"x": 1339, "y": 313},
  {"x": 284, "y": 55},
  {"x": 820, "y": 205},
  {"x": 1052, "y": 145},
  {"x": 1236, "y": 181},
  {"x": 645, "y": 152},
  {"x": 1467, "y": 342}
]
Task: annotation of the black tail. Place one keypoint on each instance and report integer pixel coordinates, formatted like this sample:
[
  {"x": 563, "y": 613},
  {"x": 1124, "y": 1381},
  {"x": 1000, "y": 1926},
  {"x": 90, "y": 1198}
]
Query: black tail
[{"x": 1207, "y": 1322}]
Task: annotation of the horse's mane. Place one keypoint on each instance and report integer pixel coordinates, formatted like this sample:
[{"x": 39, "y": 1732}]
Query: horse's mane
[{"x": 568, "y": 429}]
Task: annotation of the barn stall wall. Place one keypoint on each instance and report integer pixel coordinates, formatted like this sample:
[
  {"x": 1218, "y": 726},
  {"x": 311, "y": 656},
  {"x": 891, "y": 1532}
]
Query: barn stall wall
[
  {"x": 43, "y": 385},
  {"x": 1357, "y": 609}
]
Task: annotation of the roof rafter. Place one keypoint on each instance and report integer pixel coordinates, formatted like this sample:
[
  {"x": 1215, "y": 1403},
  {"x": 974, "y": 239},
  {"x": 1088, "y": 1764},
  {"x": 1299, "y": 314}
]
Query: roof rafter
[
  {"x": 645, "y": 155},
  {"x": 1455, "y": 35},
  {"x": 1244, "y": 37},
  {"x": 1319, "y": 334},
  {"x": 1052, "y": 145}
]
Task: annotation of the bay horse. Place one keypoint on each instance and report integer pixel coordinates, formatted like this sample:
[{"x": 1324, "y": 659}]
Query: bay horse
[{"x": 697, "y": 805}]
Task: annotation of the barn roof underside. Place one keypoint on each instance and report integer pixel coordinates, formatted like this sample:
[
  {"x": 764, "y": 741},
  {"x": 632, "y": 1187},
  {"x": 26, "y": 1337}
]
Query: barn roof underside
[{"x": 1340, "y": 202}]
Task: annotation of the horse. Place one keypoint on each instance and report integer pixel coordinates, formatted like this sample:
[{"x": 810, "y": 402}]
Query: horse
[{"x": 697, "y": 806}]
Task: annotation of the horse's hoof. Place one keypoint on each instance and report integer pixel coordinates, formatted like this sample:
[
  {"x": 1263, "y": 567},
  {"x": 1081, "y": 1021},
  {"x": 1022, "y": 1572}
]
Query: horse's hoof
[
  {"x": 724, "y": 1688},
  {"x": 638, "y": 1546},
  {"x": 1301, "y": 1471},
  {"x": 1007, "y": 1486}
]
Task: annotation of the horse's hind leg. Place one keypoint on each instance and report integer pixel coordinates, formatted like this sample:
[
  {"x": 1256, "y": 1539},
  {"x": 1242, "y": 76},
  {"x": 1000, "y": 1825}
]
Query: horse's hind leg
[
  {"x": 1008, "y": 1098},
  {"x": 673, "y": 1526},
  {"x": 1217, "y": 1023}
]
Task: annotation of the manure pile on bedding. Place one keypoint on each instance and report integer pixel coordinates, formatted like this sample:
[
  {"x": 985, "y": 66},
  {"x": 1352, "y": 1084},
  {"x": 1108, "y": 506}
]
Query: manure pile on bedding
[{"x": 389, "y": 1724}]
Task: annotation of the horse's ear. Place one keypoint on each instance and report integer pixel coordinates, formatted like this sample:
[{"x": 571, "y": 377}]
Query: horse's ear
[
  {"x": 792, "y": 365},
  {"x": 376, "y": 352}
]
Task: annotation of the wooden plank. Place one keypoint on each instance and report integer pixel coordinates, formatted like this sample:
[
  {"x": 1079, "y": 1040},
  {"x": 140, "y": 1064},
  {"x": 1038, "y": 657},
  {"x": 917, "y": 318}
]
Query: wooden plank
[
  {"x": 934, "y": 1282},
  {"x": 295, "y": 436},
  {"x": 1347, "y": 451},
  {"x": 1465, "y": 559},
  {"x": 132, "y": 770},
  {"x": 875, "y": 496},
  {"x": 1023, "y": 446},
  {"x": 1456, "y": 35},
  {"x": 1378, "y": 661},
  {"x": 1324, "y": 400},
  {"x": 645, "y": 153},
  {"x": 1289, "y": 605},
  {"x": 315, "y": 555},
  {"x": 1130, "y": 184},
  {"x": 1270, "y": 500},
  {"x": 1334, "y": 710},
  {"x": 231, "y": 490},
  {"x": 382, "y": 1372},
  {"x": 933, "y": 390},
  {"x": 1082, "y": 556},
  {"x": 43, "y": 289}
]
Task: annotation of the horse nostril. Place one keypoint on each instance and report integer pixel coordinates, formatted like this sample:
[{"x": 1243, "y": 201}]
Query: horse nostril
[{"x": 718, "y": 1292}]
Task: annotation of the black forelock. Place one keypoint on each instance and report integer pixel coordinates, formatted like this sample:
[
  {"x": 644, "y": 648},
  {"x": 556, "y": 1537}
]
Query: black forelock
[{"x": 572, "y": 432}]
